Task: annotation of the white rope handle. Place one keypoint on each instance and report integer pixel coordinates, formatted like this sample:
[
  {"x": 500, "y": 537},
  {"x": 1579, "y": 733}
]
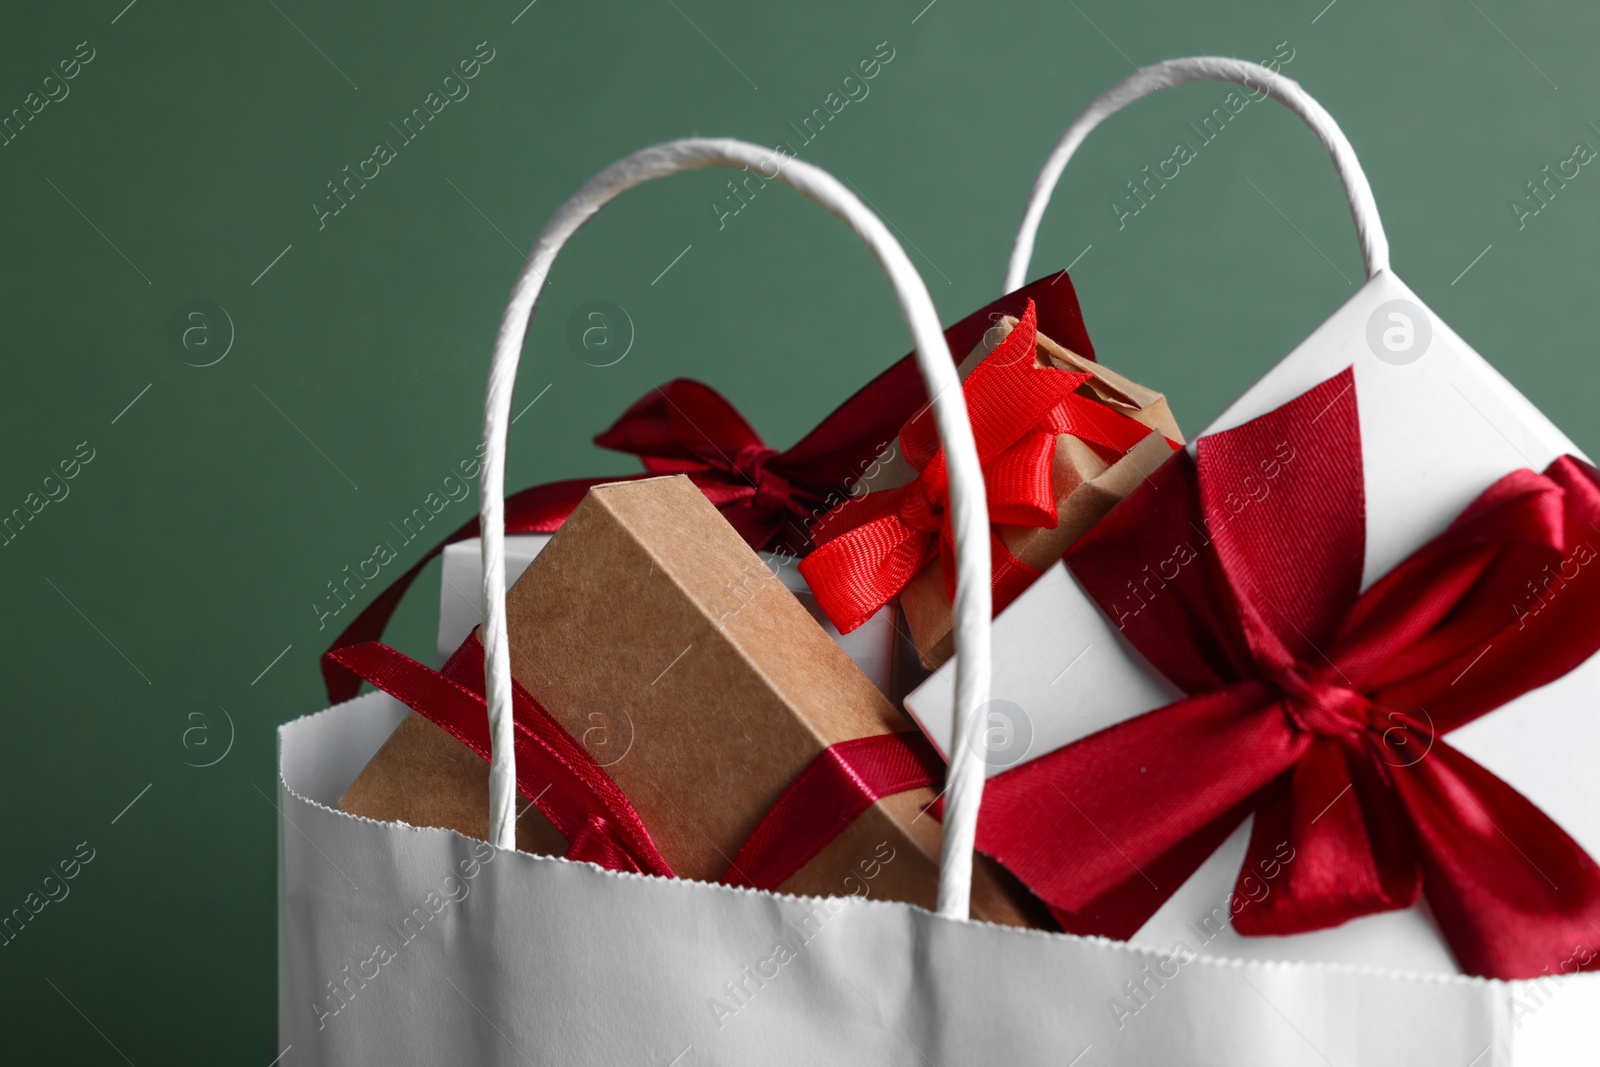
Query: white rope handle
[
  {"x": 1287, "y": 91},
  {"x": 968, "y": 503}
]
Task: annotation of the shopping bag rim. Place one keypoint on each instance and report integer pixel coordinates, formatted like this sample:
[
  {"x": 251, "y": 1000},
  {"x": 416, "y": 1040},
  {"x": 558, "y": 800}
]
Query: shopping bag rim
[{"x": 924, "y": 915}]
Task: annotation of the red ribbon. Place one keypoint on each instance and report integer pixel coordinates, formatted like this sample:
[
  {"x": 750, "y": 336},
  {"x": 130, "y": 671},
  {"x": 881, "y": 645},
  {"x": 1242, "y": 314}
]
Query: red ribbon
[
  {"x": 553, "y": 770},
  {"x": 870, "y": 546},
  {"x": 1316, "y": 707},
  {"x": 772, "y": 498},
  {"x": 830, "y": 794},
  {"x": 590, "y": 810}
]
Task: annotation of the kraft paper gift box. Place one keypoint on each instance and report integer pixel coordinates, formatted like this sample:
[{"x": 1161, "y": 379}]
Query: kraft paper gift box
[
  {"x": 648, "y": 628},
  {"x": 872, "y": 646},
  {"x": 1084, "y": 483},
  {"x": 1438, "y": 426}
]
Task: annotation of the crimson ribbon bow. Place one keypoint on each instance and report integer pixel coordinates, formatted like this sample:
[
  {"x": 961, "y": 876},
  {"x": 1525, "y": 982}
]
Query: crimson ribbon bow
[
  {"x": 772, "y": 498},
  {"x": 1319, "y": 708},
  {"x": 870, "y": 546}
]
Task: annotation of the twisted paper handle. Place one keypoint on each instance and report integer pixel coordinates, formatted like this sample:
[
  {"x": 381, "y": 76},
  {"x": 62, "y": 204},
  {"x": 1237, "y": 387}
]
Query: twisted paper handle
[{"x": 1287, "y": 91}]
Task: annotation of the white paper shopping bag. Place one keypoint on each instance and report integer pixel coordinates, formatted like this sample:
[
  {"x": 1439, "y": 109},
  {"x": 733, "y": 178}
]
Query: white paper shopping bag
[{"x": 407, "y": 945}]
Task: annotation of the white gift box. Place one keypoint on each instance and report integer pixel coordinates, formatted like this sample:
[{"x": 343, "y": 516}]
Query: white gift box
[
  {"x": 873, "y": 646},
  {"x": 1435, "y": 433},
  {"x": 1438, "y": 426}
]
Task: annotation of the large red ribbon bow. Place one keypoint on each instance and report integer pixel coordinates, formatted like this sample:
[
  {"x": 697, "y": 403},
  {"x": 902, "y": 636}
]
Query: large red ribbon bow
[
  {"x": 772, "y": 498},
  {"x": 870, "y": 546},
  {"x": 1319, "y": 708}
]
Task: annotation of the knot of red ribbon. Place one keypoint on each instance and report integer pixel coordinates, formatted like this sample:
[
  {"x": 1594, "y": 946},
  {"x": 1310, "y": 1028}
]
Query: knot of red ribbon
[
  {"x": 870, "y": 546},
  {"x": 771, "y": 498},
  {"x": 773, "y": 492},
  {"x": 1318, "y": 708},
  {"x": 686, "y": 427},
  {"x": 920, "y": 505},
  {"x": 1321, "y": 707}
]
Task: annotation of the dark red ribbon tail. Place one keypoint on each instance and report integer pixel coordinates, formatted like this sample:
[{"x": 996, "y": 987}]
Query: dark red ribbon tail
[
  {"x": 1514, "y": 895},
  {"x": 553, "y": 770},
  {"x": 342, "y": 682}
]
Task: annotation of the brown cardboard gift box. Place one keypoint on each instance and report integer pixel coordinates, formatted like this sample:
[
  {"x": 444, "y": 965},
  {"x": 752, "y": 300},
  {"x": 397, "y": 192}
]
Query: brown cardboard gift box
[
  {"x": 1086, "y": 487},
  {"x": 653, "y": 634}
]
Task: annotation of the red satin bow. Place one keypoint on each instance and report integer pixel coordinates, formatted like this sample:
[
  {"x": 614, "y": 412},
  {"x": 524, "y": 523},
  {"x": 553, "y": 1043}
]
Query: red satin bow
[
  {"x": 869, "y": 547},
  {"x": 1318, "y": 708},
  {"x": 590, "y": 810},
  {"x": 772, "y": 498}
]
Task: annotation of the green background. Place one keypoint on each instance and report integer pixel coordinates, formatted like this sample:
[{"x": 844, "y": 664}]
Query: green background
[{"x": 190, "y": 150}]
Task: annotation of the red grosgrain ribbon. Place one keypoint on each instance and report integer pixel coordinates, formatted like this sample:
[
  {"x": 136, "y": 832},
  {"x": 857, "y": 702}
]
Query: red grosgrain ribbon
[
  {"x": 772, "y": 498},
  {"x": 1317, "y": 707},
  {"x": 590, "y": 810},
  {"x": 870, "y": 546}
]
